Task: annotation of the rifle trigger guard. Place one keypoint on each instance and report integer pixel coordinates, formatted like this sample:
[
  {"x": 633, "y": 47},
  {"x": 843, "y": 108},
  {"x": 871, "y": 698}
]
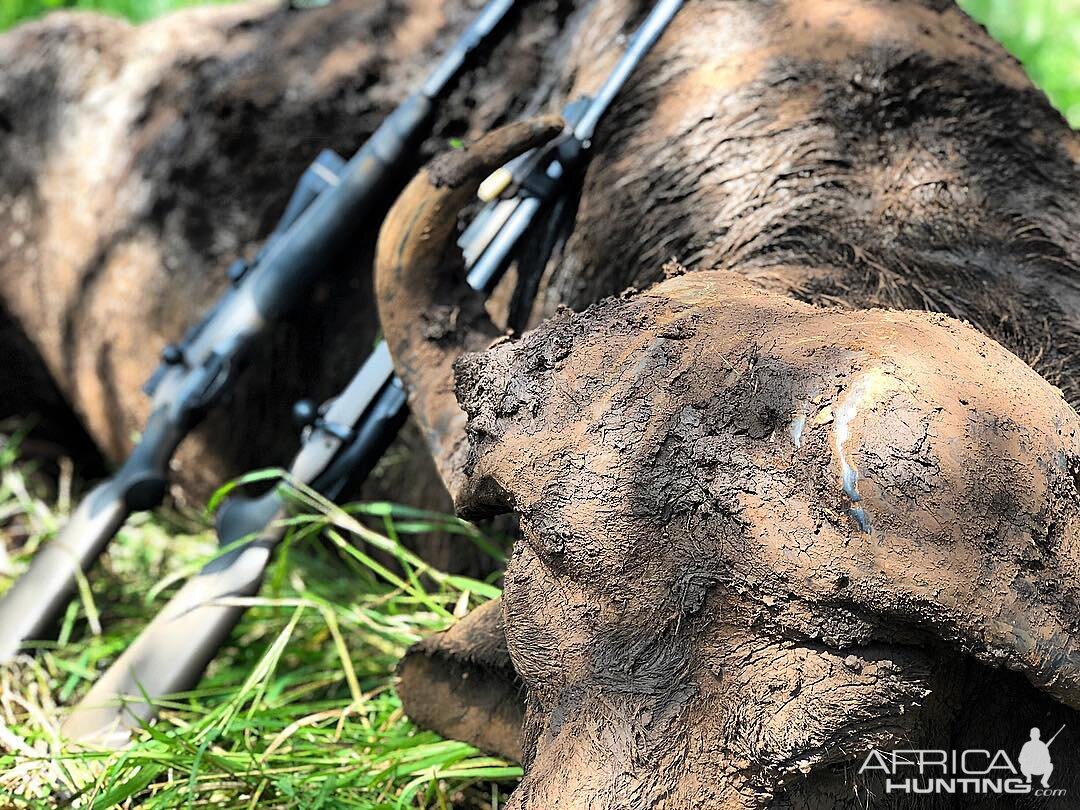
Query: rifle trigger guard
[
  {"x": 215, "y": 373},
  {"x": 310, "y": 419}
]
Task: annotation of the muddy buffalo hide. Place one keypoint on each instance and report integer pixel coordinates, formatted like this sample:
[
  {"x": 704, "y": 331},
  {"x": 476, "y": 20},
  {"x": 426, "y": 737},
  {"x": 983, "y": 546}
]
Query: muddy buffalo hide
[{"x": 852, "y": 154}]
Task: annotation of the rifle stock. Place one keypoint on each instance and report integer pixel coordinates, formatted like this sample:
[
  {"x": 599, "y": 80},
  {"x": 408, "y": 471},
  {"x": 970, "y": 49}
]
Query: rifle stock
[
  {"x": 170, "y": 655},
  {"x": 34, "y": 602},
  {"x": 173, "y": 651},
  {"x": 31, "y": 607}
]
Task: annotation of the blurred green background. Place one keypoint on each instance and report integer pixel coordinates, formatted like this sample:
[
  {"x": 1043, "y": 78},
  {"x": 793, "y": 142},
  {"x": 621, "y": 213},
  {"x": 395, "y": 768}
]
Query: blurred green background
[
  {"x": 14, "y": 11},
  {"x": 1043, "y": 34}
]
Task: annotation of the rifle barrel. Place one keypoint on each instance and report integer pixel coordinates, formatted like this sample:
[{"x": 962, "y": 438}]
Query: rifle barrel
[
  {"x": 473, "y": 36},
  {"x": 640, "y": 43}
]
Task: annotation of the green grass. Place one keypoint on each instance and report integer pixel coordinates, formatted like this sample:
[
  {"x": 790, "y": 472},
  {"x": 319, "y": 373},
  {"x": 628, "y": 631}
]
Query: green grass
[
  {"x": 15, "y": 11},
  {"x": 299, "y": 709},
  {"x": 1045, "y": 36}
]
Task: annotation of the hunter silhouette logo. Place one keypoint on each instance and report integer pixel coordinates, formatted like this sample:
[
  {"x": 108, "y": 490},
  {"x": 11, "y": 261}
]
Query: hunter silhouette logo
[
  {"x": 972, "y": 771},
  {"x": 1035, "y": 757}
]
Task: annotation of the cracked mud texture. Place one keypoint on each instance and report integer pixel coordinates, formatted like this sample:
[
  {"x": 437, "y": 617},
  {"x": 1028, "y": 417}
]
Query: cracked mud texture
[
  {"x": 760, "y": 532},
  {"x": 840, "y": 153}
]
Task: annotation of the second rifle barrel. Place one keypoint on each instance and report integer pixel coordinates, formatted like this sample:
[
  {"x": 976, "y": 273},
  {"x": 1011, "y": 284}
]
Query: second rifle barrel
[{"x": 640, "y": 44}]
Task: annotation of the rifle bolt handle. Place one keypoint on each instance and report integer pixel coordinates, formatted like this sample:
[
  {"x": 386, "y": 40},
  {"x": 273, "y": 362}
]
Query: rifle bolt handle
[
  {"x": 304, "y": 413},
  {"x": 236, "y": 272},
  {"x": 172, "y": 355}
]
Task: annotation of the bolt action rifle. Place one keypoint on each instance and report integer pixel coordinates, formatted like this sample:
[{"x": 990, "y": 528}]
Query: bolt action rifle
[
  {"x": 343, "y": 439},
  {"x": 331, "y": 197}
]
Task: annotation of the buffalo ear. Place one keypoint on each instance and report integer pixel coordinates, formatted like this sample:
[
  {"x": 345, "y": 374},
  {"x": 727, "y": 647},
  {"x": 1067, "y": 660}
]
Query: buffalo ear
[{"x": 461, "y": 684}]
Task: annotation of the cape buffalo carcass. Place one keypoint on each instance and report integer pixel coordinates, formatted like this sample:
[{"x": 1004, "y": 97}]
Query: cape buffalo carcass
[
  {"x": 773, "y": 518},
  {"x": 766, "y": 526}
]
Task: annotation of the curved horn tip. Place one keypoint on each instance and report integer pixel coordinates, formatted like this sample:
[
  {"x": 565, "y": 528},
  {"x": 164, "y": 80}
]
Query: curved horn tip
[
  {"x": 459, "y": 166},
  {"x": 418, "y": 273}
]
